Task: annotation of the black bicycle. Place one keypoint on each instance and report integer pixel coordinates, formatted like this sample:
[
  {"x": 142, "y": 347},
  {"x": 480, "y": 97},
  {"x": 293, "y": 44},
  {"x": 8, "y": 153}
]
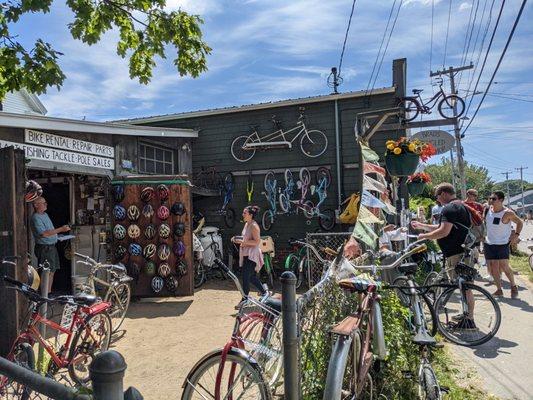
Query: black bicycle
[{"x": 414, "y": 105}]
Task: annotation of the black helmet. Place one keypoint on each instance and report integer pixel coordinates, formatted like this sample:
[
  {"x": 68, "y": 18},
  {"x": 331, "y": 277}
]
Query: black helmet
[
  {"x": 149, "y": 251},
  {"x": 149, "y": 268},
  {"x": 133, "y": 212},
  {"x": 147, "y": 194},
  {"x": 118, "y": 193},
  {"x": 179, "y": 229},
  {"x": 148, "y": 211},
  {"x": 181, "y": 268},
  {"x": 149, "y": 232},
  {"x": 177, "y": 209},
  {"x": 171, "y": 283},
  {"x": 120, "y": 252}
]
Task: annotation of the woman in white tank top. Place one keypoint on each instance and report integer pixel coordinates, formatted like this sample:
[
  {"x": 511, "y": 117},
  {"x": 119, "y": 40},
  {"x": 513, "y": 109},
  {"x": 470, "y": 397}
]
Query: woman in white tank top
[{"x": 500, "y": 235}]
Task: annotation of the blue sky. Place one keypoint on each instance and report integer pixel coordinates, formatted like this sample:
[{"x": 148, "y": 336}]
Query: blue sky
[{"x": 265, "y": 50}]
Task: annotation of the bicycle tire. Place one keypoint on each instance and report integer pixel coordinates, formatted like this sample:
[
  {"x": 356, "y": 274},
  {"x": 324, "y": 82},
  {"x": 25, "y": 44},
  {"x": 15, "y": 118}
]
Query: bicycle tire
[
  {"x": 288, "y": 176},
  {"x": 448, "y": 102},
  {"x": 308, "y": 209},
  {"x": 85, "y": 349},
  {"x": 284, "y": 203},
  {"x": 326, "y": 219},
  {"x": 229, "y": 217},
  {"x": 117, "y": 315},
  {"x": 342, "y": 367},
  {"x": 193, "y": 389},
  {"x": 321, "y": 173},
  {"x": 305, "y": 176},
  {"x": 408, "y": 105},
  {"x": 267, "y": 220},
  {"x": 199, "y": 274},
  {"x": 292, "y": 263},
  {"x": 433, "y": 278},
  {"x": 405, "y": 299},
  {"x": 270, "y": 182},
  {"x": 313, "y": 143},
  {"x": 302, "y": 268},
  {"x": 229, "y": 181},
  {"x": 268, "y": 269},
  {"x": 22, "y": 355},
  {"x": 446, "y": 303},
  {"x": 237, "y": 150},
  {"x": 428, "y": 385}
]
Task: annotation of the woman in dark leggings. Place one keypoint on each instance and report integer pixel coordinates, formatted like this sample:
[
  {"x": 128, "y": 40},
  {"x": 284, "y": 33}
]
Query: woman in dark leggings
[{"x": 250, "y": 255}]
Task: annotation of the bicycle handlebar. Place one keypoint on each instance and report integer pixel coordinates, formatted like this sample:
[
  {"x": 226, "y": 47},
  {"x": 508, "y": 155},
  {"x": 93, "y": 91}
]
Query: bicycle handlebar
[
  {"x": 34, "y": 296},
  {"x": 96, "y": 265}
]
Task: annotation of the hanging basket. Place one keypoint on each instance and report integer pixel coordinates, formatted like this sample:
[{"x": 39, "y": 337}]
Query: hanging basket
[
  {"x": 402, "y": 164},
  {"x": 416, "y": 188}
]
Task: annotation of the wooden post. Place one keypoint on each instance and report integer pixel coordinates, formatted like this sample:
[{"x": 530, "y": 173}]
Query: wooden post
[{"x": 13, "y": 242}]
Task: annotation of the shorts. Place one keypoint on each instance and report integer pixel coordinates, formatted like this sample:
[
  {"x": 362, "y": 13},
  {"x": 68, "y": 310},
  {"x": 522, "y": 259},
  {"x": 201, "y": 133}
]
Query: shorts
[
  {"x": 497, "y": 251},
  {"x": 47, "y": 253},
  {"x": 451, "y": 263}
]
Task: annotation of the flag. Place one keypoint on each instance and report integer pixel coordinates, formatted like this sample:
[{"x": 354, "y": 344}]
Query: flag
[
  {"x": 370, "y": 200},
  {"x": 368, "y": 153},
  {"x": 366, "y": 216},
  {"x": 365, "y": 234},
  {"x": 372, "y": 184},
  {"x": 371, "y": 168}
]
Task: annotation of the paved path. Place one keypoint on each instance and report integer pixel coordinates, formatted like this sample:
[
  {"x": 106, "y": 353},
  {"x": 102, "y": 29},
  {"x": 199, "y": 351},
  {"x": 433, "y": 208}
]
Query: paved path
[{"x": 505, "y": 363}]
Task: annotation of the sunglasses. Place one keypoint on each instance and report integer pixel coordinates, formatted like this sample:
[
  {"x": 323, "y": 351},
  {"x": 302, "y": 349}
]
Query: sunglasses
[{"x": 493, "y": 198}]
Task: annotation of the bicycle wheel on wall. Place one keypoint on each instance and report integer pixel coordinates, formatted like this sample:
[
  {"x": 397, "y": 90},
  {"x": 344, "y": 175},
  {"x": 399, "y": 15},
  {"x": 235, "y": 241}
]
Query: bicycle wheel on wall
[
  {"x": 270, "y": 181},
  {"x": 326, "y": 219},
  {"x": 229, "y": 217},
  {"x": 288, "y": 176},
  {"x": 246, "y": 381},
  {"x": 411, "y": 109},
  {"x": 267, "y": 220},
  {"x": 313, "y": 143},
  {"x": 446, "y": 106},
  {"x": 305, "y": 176},
  {"x": 238, "y": 152},
  {"x": 284, "y": 203},
  {"x": 462, "y": 325},
  {"x": 323, "y": 173}
]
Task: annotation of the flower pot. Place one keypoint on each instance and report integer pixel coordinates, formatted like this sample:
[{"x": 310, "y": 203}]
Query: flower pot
[
  {"x": 402, "y": 164},
  {"x": 416, "y": 188}
]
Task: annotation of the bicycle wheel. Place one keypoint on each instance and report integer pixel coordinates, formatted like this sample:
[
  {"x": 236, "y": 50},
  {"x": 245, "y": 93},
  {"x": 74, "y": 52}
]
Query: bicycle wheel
[
  {"x": 326, "y": 219},
  {"x": 428, "y": 386},
  {"x": 464, "y": 325},
  {"x": 229, "y": 181},
  {"x": 229, "y": 217},
  {"x": 323, "y": 173},
  {"x": 269, "y": 270},
  {"x": 267, "y": 220},
  {"x": 305, "y": 176},
  {"x": 238, "y": 152},
  {"x": 288, "y": 176},
  {"x": 446, "y": 106},
  {"x": 292, "y": 263},
  {"x": 23, "y": 356},
  {"x": 308, "y": 208},
  {"x": 433, "y": 278},
  {"x": 284, "y": 203},
  {"x": 410, "y": 107},
  {"x": 313, "y": 143},
  {"x": 270, "y": 182},
  {"x": 199, "y": 274},
  {"x": 90, "y": 339},
  {"x": 241, "y": 378},
  {"x": 302, "y": 268},
  {"x": 120, "y": 301},
  {"x": 403, "y": 294}
]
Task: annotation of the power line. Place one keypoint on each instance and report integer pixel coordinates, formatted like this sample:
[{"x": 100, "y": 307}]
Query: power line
[
  {"x": 466, "y": 49},
  {"x": 431, "y": 41},
  {"x": 510, "y": 98},
  {"x": 346, "y": 36},
  {"x": 447, "y": 33},
  {"x": 499, "y": 63}
]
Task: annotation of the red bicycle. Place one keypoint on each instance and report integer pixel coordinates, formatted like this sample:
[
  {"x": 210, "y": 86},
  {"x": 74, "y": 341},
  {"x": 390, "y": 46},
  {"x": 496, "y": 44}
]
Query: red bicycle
[{"x": 88, "y": 335}]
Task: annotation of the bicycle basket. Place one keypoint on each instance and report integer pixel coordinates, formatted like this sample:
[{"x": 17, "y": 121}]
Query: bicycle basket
[{"x": 465, "y": 271}]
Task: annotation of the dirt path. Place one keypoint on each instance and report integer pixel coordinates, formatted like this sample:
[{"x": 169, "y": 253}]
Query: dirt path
[{"x": 163, "y": 338}]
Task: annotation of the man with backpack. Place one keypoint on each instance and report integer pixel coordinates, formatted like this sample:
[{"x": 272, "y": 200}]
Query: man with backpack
[{"x": 500, "y": 235}]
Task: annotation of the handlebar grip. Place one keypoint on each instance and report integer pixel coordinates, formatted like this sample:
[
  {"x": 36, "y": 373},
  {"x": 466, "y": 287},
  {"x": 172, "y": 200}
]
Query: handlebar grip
[
  {"x": 12, "y": 281},
  {"x": 330, "y": 251},
  {"x": 220, "y": 264},
  {"x": 420, "y": 249}
]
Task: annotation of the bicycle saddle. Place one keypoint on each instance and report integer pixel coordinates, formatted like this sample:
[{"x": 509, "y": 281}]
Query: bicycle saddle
[
  {"x": 357, "y": 285},
  {"x": 416, "y": 91},
  {"x": 424, "y": 338},
  {"x": 85, "y": 299},
  {"x": 275, "y": 304},
  {"x": 408, "y": 268}
]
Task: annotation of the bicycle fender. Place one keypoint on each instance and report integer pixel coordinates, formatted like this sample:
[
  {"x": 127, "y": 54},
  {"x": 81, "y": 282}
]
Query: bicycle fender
[{"x": 215, "y": 353}]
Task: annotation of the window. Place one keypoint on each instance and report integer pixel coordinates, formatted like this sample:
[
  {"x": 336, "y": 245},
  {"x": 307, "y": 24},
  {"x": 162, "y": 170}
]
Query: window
[{"x": 155, "y": 160}]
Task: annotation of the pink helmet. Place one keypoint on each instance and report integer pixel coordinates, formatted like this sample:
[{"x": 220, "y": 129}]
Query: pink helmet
[{"x": 163, "y": 213}]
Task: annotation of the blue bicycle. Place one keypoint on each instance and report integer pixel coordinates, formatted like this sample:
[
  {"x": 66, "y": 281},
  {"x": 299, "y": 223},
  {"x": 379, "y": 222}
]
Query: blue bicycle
[
  {"x": 226, "y": 189},
  {"x": 326, "y": 218},
  {"x": 287, "y": 193},
  {"x": 271, "y": 189}
]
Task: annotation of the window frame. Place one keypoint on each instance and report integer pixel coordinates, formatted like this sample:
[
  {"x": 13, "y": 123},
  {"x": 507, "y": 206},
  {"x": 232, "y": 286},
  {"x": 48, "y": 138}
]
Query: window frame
[{"x": 144, "y": 159}]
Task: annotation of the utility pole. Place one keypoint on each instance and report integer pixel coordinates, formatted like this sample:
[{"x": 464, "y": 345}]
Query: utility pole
[
  {"x": 507, "y": 183},
  {"x": 451, "y": 72},
  {"x": 521, "y": 169}
]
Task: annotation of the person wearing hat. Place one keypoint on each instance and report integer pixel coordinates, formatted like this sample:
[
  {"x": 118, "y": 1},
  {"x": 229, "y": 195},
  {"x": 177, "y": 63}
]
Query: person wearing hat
[{"x": 45, "y": 236}]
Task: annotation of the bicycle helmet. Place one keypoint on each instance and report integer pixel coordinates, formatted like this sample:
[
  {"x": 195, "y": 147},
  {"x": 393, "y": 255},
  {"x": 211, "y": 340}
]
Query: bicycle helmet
[
  {"x": 171, "y": 283},
  {"x": 163, "y": 252},
  {"x": 149, "y": 232},
  {"x": 134, "y": 270},
  {"x": 118, "y": 193},
  {"x": 149, "y": 251},
  {"x": 178, "y": 248},
  {"x": 119, "y": 212},
  {"x": 148, "y": 211},
  {"x": 177, "y": 209},
  {"x": 163, "y": 213},
  {"x": 150, "y": 268},
  {"x": 135, "y": 249},
  {"x": 179, "y": 229},
  {"x": 163, "y": 270},
  {"x": 164, "y": 231},
  {"x": 133, "y": 212},
  {"x": 119, "y": 232},
  {"x": 33, "y": 191},
  {"x": 134, "y": 231},
  {"x": 163, "y": 192},
  {"x": 157, "y": 284},
  {"x": 147, "y": 194},
  {"x": 181, "y": 268},
  {"x": 120, "y": 252}
]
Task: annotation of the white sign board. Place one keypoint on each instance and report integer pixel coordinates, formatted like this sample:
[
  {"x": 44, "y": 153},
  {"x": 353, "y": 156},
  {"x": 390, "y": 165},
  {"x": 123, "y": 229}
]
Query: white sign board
[
  {"x": 61, "y": 156},
  {"x": 441, "y": 140},
  {"x": 66, "y": 143}
]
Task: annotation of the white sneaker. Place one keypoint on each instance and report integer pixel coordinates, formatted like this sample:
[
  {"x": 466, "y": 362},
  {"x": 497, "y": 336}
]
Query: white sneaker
[{"x": 489, "y": 278}]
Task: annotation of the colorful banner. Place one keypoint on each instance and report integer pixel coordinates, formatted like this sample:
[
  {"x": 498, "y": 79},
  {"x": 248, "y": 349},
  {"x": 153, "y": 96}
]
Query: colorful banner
[
  {"x": 372, "y": 184},
  {"x": 370, "y": 200},
  {"x": 365, "y": 234},
  {"x": 371, "y": 168},
  {"x": 368, "y": 153},
  {"x": 366, "y": 216}
]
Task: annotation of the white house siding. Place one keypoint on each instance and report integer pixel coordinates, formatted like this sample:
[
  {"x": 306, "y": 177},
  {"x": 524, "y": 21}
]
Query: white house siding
[{"x": 16, "y": 102}]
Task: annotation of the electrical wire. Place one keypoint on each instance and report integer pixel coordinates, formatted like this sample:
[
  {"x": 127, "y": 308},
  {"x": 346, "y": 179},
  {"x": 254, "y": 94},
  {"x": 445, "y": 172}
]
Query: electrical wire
[
  {"x": 346, "y": 36},
  {"x": 510, "y": 98},
  {"x": 431, "y": 40},
  {"x": 497, "y": 65},
  {"x": 447, "y": 33},
  {"x": 468, "y": 37}
]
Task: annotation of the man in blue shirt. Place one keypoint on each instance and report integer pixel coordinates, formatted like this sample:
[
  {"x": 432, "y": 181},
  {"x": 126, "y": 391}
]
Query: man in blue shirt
[{"x": 45, "y": 237}]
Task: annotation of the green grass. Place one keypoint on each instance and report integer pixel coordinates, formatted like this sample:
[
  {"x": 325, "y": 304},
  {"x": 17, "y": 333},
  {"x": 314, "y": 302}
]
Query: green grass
[{"x": 520, "y": 263}]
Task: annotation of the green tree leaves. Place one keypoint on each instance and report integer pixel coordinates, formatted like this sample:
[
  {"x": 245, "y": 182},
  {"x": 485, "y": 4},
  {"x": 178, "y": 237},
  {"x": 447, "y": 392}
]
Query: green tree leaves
[{"x": 145, "y": 30}]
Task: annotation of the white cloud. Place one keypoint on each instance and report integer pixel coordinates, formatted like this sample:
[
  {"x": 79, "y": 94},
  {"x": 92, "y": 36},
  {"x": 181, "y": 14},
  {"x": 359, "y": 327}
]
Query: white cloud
[
  {"x": 465, "y": 6},
  {"x": 201, "y": 7}
]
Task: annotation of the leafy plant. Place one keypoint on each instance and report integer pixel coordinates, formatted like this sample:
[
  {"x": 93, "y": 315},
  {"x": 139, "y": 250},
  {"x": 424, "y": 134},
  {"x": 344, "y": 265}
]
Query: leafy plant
[
  {"x": 404, "y": 145},
  {"x": 419, "y": 177}
]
